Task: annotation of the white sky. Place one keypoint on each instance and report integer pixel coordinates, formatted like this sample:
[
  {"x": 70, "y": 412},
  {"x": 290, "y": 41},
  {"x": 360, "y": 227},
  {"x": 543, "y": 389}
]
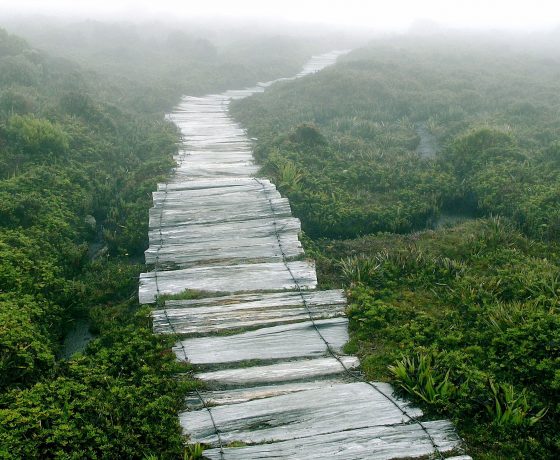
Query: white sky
[{"x": 385, "y": 14}]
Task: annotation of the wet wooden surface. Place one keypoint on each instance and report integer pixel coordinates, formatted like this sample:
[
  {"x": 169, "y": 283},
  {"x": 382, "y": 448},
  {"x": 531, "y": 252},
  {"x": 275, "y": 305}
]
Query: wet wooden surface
[
  {"x": 268, "y": 345},
  {"x": 369, "y": 443},
  {"x": 243, "y": 311}
]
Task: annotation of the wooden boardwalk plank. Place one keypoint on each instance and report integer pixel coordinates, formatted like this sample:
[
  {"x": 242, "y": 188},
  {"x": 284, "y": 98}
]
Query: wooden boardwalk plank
[
  {"x": 234, "y": 312},
  {"x": 164, "y": 217},
  {"x": 270, "y": 299},
  {"x": 340, "y": 407},
  {"x": 371, "y": 443},
  {"x": 241, "y": 250},
  {"x": 233, "y": 196},
  {"x": 241, "y": 395},
  {"x": 226, "y": 203},
  {"x": 280, "y": 372},
  {"x": 209, "y": 233},
  {"x": 214, "y": 161},
  {"x": 209, "y": 171},
  {"x": 273, "y": 276},
  {"x": 268, "y": 343},
  {"x": 208, "y": 184}
]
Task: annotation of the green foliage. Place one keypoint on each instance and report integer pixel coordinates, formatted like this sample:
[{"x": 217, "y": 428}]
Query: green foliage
[
  {"x": 118, "y": 400},
  {"x": 35, "y": 136},
  {"x": 358, "y": 269},
  {"x": 27, "y": 343},
  {"x": 288, "y": 177},
  {"x": 194, "y": 452},
  {"x": 353, "y": 130},
  {"x": 479, "y": 148},
  {"x": 417, "y": 376},
  {"x": 19, "y": 70},
  {"x": 307, "y": 134},
  {"x": 446, "y": 326},
  {"x": 509, "y": 409},
  {"x": 62, "y": 160}
]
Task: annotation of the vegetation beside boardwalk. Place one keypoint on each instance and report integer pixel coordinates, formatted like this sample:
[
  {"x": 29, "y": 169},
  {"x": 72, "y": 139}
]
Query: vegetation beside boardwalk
[
  {"x": 81, "y": 150},
  {"x": 463, "y": 318}
]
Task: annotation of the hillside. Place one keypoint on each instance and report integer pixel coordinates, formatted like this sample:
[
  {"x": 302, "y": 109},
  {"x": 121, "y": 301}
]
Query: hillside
[
  {"x": 81, "y": 149},
  {"x": 449, "y": 252}
]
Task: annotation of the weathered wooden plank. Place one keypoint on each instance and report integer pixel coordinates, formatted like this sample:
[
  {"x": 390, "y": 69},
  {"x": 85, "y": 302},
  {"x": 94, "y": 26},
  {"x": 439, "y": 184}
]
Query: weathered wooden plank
[
  {"x": 241, "y": 395},
  {"x": 214, "y": 128},
  {"x": 165, "y": 217},
  {"x": 230, "y": 197},
  {"x": 230, "y": 202},
  {"x": 186, "y": 200},
  {"x": 228, "y": 278},
  {"x": 226, "y": 155},
  {"x": 234, "y": 312},
  {"x": 226, "y": 132},
  {"x": 280, "y": 372},
  {"x": 207, "y": 184},
  {"x": 264, "y": 249},
  {"x": 204, "y": 145},
  {"x": 266, "y": 299},
  {"x": 210, "y": 233},
  {"x": 210, "y": 104},
  {"x": 213, "y": 125},
  {"x": 216, "y": 144},
  {"x": 287, "y": 341},
  {"x": 202, "y": 124},
  {"x": 229, "y": 153},
  {"x": 200, "y": 118},
  {"x": 196, "y": 157},
  {"x": 340, "y": 407},
  {"x": 196, "y": 187},
  {"x": 370, "y": 443},
  {"x": 210, "y": 170}
]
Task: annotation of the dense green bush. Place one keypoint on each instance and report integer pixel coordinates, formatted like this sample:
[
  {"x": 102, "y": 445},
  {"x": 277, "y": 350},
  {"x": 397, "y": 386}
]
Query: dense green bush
[
  {"x": 64, "y": 158},
  {"x": 118, "y": 400},
  {"x": 487, "y": 315},
  {"x": 35, "y": 136}
]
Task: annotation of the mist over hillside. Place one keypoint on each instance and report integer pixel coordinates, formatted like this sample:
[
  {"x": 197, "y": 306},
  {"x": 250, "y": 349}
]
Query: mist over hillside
[{"x": 422, "y": 166}]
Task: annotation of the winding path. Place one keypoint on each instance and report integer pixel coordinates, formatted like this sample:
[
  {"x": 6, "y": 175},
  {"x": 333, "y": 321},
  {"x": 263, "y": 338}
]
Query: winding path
[{"x": 267, "y": 344}]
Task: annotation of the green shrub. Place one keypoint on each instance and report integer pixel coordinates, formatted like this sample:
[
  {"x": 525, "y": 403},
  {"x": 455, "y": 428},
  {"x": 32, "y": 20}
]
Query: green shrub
[
  {"x": 418, "y": 376},
  {"x": 36, "y": 136},
  {"x": 507, "y": 408}
]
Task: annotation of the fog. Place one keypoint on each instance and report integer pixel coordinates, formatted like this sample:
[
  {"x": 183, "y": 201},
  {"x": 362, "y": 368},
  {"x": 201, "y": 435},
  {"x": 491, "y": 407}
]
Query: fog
[{"x": 369, "y": 15}]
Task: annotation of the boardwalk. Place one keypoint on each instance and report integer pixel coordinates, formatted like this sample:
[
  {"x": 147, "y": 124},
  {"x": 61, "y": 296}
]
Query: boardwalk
[{"x": 268, "y": 345}]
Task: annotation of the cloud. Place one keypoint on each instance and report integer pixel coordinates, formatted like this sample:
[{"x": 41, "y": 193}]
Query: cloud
[{"x": 373, "y": 13}]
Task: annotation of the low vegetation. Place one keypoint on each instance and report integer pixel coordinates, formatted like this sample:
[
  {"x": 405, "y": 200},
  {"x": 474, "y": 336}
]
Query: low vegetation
[
  {"x": 81, "y": 150},
  {"x": 466, "y": 320},
  {"x": 462, "y": 317}
]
